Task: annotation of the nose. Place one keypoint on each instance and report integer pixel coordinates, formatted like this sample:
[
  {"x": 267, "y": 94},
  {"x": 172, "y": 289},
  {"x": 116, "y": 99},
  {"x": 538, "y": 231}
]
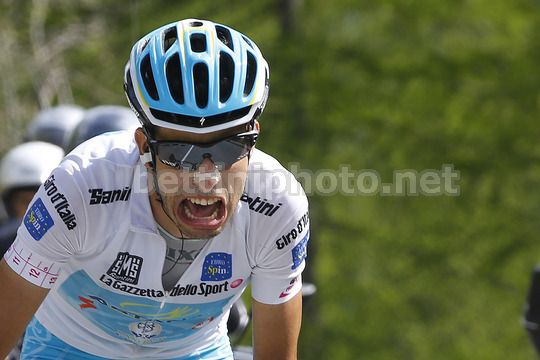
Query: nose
[{"x": 207, "y": 176}]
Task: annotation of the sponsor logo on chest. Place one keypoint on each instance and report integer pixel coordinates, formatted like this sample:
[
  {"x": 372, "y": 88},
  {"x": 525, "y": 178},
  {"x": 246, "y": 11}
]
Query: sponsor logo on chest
[
  {"x": 261, "y": 206},
  {"x": 125, "y": 271},
  {"x": 126, "y": 268},
  {"x": 217, "y": 267},
  {"x": 100, "y": 196}
]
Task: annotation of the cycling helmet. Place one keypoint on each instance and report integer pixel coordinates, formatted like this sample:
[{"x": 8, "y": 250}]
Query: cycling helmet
[
  {"x": 196, "y": 76},
  {"x": 102, "y": 119},
  {"x": 54, "y": 125},
  {"x": 27, "y": 166}
]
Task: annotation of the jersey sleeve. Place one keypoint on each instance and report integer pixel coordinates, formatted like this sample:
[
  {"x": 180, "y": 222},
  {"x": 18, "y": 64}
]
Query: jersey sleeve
[
  {"x": 280, "y": 260},
  {"x": 51, "y": 230}
]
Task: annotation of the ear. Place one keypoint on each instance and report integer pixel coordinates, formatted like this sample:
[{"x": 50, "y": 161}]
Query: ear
[
  {"x": 144, "y": 150},
  {"x": 141, "y": 141},
  {"x": 256, "y": 126}
]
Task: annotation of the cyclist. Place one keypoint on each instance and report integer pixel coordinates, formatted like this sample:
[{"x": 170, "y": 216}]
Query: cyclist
[
  {"x": 55, "y": 124},
  {"x": 137, "y": 244},
  {"x": 106, "y": 118},
  {"x": 22, "y": 171},
  {"x": 99, "y": 120}
]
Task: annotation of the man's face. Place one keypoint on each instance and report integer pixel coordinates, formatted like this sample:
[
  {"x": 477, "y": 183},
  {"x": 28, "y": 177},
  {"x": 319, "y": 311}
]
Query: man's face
[{"x": 198, "y": 203}]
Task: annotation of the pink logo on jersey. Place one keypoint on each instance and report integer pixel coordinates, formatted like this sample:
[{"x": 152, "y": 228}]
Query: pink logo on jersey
[
  {"x": 287, "y": 291},
  {"x": 236, "y": 283}
]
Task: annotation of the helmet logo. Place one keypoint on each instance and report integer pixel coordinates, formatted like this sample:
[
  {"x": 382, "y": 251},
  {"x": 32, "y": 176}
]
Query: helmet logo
[{"x": 202, "y": 121}]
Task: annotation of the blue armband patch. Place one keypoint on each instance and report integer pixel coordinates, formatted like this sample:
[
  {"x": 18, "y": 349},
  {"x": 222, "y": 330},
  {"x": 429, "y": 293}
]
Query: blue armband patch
[
  {"x": 38, "y": 220},
  {"x": 299, "y": 252}
]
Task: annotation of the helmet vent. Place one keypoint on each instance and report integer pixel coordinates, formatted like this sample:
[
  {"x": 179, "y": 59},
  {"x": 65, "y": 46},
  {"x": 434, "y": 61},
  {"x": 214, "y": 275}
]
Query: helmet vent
[
  {"x": 247, "y": 41},
  {"x": 174, "y": 79},
  {"x": 196, "y": 24},
  {"x": 148, "y": 78},
  {"x": 226, "y": 76},
  {"x": 251, "y": 73},
  {"x": 198, "y": 43},
  {"x": 144, "y": 45},
  {"x": 169, "y": 38},
  {"x": 200, "y": 79},
  {"x": 224, "y": 35}
]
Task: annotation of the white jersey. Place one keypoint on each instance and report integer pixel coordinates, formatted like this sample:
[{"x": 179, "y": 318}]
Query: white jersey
[{"x": 90, "y": 236}]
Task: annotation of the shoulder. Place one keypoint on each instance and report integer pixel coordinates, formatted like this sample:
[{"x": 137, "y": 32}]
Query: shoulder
[
  {"x": 102, "y": 164},
  {"x": 275, "y": 200},
  {"x": 117, "y": 147},
  {"x": 271, "y": 188},
  {"x": 99, "y": 171},
  {"x": 107, "y": 158},
  {"x": 278, "y": 229}
]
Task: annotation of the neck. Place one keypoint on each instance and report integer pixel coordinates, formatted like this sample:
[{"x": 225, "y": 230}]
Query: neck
[{"x": 162, "y": 218}]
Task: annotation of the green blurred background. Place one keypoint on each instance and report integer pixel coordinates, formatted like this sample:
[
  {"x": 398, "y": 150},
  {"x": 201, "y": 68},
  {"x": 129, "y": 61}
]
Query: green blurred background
[{"x": 382, "y": 85}]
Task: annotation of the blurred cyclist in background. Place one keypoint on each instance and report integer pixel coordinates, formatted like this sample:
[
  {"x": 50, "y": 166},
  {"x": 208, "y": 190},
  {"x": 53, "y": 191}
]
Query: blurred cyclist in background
[
  {"x": 54, "y": 125},
  {"x": 102, "y": 119},
  {"x": 22, "y": 171}
]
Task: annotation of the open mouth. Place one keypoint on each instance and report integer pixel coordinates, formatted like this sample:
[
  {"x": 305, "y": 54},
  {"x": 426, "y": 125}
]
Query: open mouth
[{"x": 202, "y": 212}]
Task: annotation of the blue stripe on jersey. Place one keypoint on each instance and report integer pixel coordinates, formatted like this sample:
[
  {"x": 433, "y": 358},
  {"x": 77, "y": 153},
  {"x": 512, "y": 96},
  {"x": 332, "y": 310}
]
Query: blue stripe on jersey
[{"x": 40, "y": 344}]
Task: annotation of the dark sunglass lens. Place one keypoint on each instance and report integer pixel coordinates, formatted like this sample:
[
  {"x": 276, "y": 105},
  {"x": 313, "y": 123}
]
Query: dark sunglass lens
[
  {"x": 171, "y": 154},
  {"x": 231, "y": 150},
  {"x": 188, "y": 156}
]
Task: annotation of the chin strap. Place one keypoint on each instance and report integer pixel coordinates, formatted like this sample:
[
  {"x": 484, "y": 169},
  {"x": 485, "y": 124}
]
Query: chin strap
[{"x": 148, "y": 158}]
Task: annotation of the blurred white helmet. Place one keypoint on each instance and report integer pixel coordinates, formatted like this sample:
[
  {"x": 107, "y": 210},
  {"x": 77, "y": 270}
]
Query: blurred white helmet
[
  {"x": 54, "y": 125},
  {"x": 28, "y": 164}
]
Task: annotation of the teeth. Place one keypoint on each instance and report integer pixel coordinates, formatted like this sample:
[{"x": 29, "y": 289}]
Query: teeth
[
  {"x": 204, "y": 201},
  {"x": 191, "y": 216}
]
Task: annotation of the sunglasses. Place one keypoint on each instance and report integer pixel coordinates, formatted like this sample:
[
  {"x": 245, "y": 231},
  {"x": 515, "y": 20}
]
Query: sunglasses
[{"x": 188, "y": 156}]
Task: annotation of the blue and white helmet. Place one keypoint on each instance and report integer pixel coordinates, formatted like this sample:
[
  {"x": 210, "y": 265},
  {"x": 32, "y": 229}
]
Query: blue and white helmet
[{"x": 196, "y": 76}]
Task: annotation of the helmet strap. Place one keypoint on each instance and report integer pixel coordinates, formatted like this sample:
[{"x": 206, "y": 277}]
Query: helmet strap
[
  {"x": 150, "y": 157},
  {"x": 161, "y": 202}
]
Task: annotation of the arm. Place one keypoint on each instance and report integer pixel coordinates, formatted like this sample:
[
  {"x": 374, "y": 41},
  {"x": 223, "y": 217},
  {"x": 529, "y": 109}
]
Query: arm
[
  {"x": 19, "y": 299},
  {"x": 276, "y": 329}
]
